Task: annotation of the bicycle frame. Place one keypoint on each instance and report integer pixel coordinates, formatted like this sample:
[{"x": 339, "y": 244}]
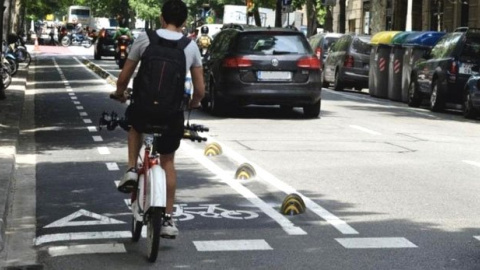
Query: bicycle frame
[{"x": 152, "y": 183}]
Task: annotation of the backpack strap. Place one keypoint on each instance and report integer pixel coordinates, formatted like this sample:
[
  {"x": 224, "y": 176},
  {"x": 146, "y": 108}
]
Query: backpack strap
[{"x": 181, "y": 43}]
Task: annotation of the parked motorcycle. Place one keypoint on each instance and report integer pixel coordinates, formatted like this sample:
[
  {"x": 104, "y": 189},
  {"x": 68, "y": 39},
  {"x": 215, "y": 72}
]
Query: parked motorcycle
[
  {"x": 122, "y": 50},
  {"x": 74, "y": 39}
]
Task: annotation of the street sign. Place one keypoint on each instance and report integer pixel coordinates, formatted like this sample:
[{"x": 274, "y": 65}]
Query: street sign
[{"x": 287, "y": 2}]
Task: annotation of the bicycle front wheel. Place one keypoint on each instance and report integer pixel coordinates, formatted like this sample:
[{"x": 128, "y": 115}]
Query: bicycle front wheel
[
  {"x": 154, "y": 223},
  {"x": 136, "y": 229}
]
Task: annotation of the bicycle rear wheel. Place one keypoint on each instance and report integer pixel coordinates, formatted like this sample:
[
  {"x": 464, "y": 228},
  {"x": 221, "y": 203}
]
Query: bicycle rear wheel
[{"x": 154, "y": 223}]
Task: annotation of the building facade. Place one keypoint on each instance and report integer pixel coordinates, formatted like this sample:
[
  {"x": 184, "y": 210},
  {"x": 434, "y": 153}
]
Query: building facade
[{"x": 371, "y": 16}]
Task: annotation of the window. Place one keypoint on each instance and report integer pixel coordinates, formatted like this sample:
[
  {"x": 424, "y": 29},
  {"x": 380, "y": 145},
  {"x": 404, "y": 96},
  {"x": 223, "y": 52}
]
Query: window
[
  {"x": 446, "y": 45},
  {"x": 271, "y": 43}
]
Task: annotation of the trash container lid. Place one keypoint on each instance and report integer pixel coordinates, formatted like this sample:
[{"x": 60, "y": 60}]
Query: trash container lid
[
  {"x": 384, "y": 37},
  {"x": 401, "y": 37},
  {"x": 429, "y": 38}
]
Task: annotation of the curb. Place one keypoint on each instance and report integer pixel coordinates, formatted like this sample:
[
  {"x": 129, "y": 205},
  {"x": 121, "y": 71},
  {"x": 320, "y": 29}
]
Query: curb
[
  {"x": 10, "y": 117},
  {"x": 101, "y": 72}
]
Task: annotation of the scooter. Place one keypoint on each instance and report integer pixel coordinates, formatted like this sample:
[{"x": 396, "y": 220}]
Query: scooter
[
  {"x": 74, "y": 39},
  {"x": 122, "y": 50}
]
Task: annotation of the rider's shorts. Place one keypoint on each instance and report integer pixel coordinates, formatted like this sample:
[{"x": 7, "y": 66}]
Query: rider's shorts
[{"x": 169, "y": 142}]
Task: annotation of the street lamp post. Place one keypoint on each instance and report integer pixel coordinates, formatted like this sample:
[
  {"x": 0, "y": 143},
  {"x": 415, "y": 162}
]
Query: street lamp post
[
  {"x": 409, "y": 16},
  {"x": 2, "y": 88}
]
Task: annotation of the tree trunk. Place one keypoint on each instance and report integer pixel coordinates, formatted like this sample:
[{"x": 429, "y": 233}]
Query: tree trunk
[
  {"x": 278, "y": 14},
  {"x": 328, "y": 24},
  {"x": 379, "y": 16},
  {"x": 342, "y": 16},
  {"x": 256, "y": 17}
]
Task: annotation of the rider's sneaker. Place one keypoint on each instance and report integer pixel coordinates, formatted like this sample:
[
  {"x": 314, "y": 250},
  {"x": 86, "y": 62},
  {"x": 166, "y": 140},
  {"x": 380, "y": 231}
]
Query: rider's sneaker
[
  {"x": 129, "y": 181},
  {"x": 168, "y": 230}
]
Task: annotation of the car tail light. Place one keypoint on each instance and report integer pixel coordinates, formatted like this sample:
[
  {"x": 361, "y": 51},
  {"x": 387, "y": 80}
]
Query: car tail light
[
  {"x": 237, "y": 62},
  {"x": 453, "y": 68},
  {"x": 309, "y": 63},
  {"x": 318, "y": 53},
  {"x": 349, "y": 61},
  {"x": 122, "y": 47},
  {"x": 103, "y": 34}
]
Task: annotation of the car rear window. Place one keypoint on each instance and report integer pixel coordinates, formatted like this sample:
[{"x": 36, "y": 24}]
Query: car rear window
[
  {"x": 361, "y": 46},
  {"x": 471, "y": 49},
  {"x": 329, "y": 42},
  {"x": 272, "y": 43}
]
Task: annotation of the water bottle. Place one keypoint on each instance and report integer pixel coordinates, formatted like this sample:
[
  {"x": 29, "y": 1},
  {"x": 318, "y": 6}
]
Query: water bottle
[{"x": 188, "y": 85}]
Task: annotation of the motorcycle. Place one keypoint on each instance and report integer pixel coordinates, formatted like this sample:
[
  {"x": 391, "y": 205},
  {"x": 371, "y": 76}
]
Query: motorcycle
[
  {"x": 122, "y": 50},
  {"x": 75, "y": 39}
]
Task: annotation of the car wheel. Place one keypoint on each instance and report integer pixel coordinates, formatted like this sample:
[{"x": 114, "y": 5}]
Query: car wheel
[
  {"x": 338, "y": 86},
  {"x": 66, "y": 41},
  {"x": 468, "y": 109},
  {"x": 312, "y": 111},
  {"x": 216, "y": 106},
  {"x": 414, "y": 98},
  {"x": 435, "y": 98}
]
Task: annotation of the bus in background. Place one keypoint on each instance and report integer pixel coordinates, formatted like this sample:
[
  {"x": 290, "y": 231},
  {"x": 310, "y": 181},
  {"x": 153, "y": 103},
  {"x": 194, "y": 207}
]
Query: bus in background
[{"x": 80, "y": 14}]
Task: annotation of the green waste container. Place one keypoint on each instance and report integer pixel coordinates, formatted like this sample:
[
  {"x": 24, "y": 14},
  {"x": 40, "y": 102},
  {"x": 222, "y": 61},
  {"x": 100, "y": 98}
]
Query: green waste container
[
  {"x": 379, "y": 62},
  {"x": 395, "y": 67}
]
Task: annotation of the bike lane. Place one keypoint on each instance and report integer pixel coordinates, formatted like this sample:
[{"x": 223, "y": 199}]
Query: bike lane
[{"x": 79, "y": 210}]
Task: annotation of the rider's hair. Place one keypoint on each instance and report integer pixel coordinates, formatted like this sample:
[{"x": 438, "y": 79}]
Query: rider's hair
[{"x": 175, "y": 12}]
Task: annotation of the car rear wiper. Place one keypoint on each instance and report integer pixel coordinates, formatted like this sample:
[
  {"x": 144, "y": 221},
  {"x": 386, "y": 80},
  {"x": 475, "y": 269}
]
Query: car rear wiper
[{"x": 281, "y": 52}]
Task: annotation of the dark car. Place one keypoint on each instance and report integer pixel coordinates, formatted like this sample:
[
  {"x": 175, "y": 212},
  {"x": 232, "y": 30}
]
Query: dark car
[
  {"x": 264, "y": 66},
  {"x": 442, "y": 75},
  {"x": 347, "y": 63},
  {"x": 104, "y": 45},
  {"x": 471, "y": 104},
  {"x": 321, "y": 43}
]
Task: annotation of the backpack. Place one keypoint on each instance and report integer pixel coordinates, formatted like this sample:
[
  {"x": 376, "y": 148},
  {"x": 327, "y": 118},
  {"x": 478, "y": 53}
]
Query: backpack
[
  {"x": 158, "y": 88},
  {"x": 204, "y": 42}
]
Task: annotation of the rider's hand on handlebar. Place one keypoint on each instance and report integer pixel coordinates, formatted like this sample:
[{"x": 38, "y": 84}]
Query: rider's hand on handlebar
[
  {"x": 118, "y": 96},
  {"x": 194, "y": 104}
]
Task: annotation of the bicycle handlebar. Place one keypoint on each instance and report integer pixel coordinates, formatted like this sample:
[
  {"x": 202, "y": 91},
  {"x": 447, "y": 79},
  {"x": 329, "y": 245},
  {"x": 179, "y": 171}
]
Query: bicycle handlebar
[{"x": 112, "y": 121}]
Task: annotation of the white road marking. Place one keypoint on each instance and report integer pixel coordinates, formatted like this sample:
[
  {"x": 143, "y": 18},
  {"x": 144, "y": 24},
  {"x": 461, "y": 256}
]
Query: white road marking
[
  {"x": 103, "y": 150},
  {"x": 112, "y": 166},
  {"x": 71, "y": 94},
  {"x": 92, "y": 128},
  {"x": 76, "y": 102},
  {"x": 49, "y": 238},
  {"x": 477, "y": 237},
  {"x": 267, "y": 177},
  {"x": 73, "y": 98},
  {"x": 87, "y": 121},
  {"x": 97, "y": 138},
  {"x": 284, "y": 222},
  {"x": 79, "y": 107},
  {"x": 86, "y": 249},
  {"x": 365, "y": 130},
  {"x": 474, "y": 163},
  {"x": 67, "y": 221},
  {"x": 232, "y": 245},
  {"x": 83, "y": 114},
  {"x": 378, "y": 242}
]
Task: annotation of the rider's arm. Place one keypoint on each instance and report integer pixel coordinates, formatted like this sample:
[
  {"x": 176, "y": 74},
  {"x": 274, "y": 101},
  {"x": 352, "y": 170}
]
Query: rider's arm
[
  {"x": 198, "y": 85},
  {"x": 124, "y": 78}
]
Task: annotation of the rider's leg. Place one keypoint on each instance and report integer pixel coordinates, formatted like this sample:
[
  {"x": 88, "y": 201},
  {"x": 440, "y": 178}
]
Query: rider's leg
[
  {"x": 168, "y": 164},
  {"x": 134, "y": 146}
]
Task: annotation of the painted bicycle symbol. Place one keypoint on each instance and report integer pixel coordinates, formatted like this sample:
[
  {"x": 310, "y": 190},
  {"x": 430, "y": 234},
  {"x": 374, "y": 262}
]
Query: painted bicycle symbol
[{"x": 183, "y": 212}]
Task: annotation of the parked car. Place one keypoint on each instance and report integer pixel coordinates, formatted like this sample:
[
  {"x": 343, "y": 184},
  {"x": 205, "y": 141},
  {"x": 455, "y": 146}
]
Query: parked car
[
  {"x": 442, "y": 75},
  {"x": 347, "y": 63},
  {"x": 264, "y": 66},
  {"x": 104, "y": 45},
  {"x": 321, "y": 43},
  {"x": 471, "y": 103}
]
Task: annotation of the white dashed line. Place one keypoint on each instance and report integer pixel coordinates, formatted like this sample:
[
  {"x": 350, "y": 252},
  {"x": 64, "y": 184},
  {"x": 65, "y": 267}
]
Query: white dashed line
[
  {"x": 87, "y": 249},
  {"x": 92, "y": 128},
  {"x": 76, "y": 102},
  {"x": 97, "y": 138},
  {"x": 87, "y": 121},
  {"x": 83, "y": 114},
  {"x": 73, "y": 97},
  {"x": 79, "y": 107},
  {"x": 378, "y": 242},
  {"x": 112, "y": 166},
  {"x": 366, "y": 130},
  {"x": 232, "y": 245},
  {"x": 103, "y": 150}
]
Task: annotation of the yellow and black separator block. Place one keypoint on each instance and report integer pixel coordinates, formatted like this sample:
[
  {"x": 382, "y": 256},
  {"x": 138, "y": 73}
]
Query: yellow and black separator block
[
  {"x": 293, "y": 204},
  {"x": 212, "y": 149},
  {"x": 245, "y": 171}
]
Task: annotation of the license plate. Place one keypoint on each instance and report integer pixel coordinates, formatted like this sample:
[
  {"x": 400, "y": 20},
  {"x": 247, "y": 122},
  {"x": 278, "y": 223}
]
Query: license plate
[
  {"x": 274, "y": 75},
  {"x": 465, "y": 69}
]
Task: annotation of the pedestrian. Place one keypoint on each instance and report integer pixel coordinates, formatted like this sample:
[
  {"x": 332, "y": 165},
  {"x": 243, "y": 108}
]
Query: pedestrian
[{"x": 173, "y": 17}]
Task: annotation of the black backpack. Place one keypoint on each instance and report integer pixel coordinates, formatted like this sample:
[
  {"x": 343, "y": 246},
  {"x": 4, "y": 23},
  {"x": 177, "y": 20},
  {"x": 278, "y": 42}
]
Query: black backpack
[{"x": 158, "y": 87}]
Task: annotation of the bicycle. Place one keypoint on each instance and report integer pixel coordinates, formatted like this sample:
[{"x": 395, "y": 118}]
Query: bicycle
[{"x": 149, "y": 200}]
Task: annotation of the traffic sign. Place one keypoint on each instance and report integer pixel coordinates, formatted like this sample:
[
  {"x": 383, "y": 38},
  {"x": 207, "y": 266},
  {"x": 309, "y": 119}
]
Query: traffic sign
[{"x": 287, "y": 2}]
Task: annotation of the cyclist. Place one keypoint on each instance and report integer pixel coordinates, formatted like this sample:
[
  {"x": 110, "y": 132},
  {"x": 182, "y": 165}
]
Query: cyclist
[{"x": 173, "y": 17}]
